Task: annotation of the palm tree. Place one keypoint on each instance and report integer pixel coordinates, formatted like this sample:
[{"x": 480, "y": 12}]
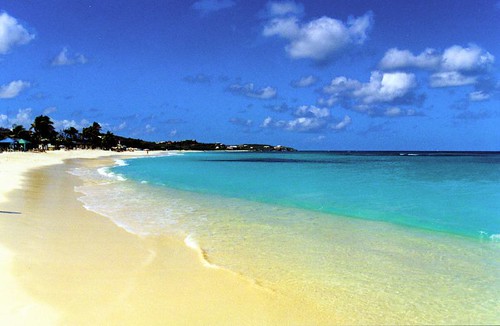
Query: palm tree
[
  {"x": 43, "y": 130},
  {"x": 92, "y": 135},
  {"x": 19, "y": 132},
  {"x": 109, "y": 140},
  {"x": 70, "y": 136},
  {"x": 4, "y": 132}
]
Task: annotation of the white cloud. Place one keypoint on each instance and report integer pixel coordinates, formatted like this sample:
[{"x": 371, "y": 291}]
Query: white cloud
[
  {"x": 393, "y": 112},
  {"x": 341, "y": 85},
  {"x": 479, "y": 96},
  {"x": 451, "y": 78},
  {"x": 385, "y": 87},
  {"x": 377, "y": 97},
  {"x": 304, "y": 124},
  {"x": 342, "y": 124},
  {"x": 284, "y": 8},
  {"x": 454, "y": 58},
  {"x": 49, "y": 110},
  {"x": 13, "y": 89},
  {"x": 473, "y": 58},
  {"x": 312, "y": 111},
  {"x": 456, "y": 66},
  {"x": 4, "y": 121},
  {"x": 399, "y": 59},
  {"x": 209, "y": 6},
  {"x": 285, "y": 27},
  {"x": 12, "y": 33},
  {"x": 22, "y": 118},
  {"x": 382, "y": 87},
  {"x": 267, "y": 122},
  {"x": 63, "y": 59},
  {"x": 304, "y": 82},
  {"x": 121, "y": 126},
  {"x": 249, "y": 90},
  {"x": 149, "y": 129},
  {"x": 65, "y": 124},
  {"x": 308, "y": 119},
  {"x": 318, "y": 39}
]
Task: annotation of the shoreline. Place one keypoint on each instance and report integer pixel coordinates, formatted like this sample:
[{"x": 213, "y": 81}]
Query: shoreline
[
  {"x": 60, "y": 263},
  {"x": 63, "y": 263}
]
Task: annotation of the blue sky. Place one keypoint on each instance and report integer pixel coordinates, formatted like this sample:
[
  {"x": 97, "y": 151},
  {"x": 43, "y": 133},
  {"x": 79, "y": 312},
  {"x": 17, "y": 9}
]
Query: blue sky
[{"x": 360, "y": 75}]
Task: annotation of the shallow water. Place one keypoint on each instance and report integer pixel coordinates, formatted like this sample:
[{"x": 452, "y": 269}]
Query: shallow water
[{"x": 288, "y": 237}]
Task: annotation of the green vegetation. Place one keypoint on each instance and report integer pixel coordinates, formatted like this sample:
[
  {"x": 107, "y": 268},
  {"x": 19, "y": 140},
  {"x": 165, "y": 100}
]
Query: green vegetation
[{"x": 42, "y": 136}]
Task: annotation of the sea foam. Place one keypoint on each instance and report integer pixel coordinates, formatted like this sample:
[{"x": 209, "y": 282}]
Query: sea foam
[
  {"x": 105, "y": 171},
  {"x": 191, "y": 243}
]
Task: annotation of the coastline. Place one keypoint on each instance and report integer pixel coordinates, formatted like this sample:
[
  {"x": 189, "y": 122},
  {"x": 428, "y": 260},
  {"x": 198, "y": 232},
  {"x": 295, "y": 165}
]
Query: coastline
[{"x": 61, "y": 263}]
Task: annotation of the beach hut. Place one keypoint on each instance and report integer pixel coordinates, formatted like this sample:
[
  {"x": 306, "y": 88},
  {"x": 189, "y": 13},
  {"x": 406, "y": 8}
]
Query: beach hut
[
  {"x": 24, "y": 143},
  {"x": 7, "y": 143}
]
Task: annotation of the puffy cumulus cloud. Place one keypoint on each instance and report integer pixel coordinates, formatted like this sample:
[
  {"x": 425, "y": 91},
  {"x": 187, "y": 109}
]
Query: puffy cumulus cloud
[
  {"x": 65, "y": 59},
  {"x": 300, "y": 124},
  {"x": 382, "y": 87},
  {"x": 12, "y": 33},
  {"x": 13, "y": 88},
  {"x": 470, "y": 59},
  {"x": 208, "y": 6},
  {"x": 65, "y": 124},
  {"x": 399, "y": 59},
  {"x": 309, "y": 119},
  {"x": 385, "y": 87},
  {"x": 304, "y": 124},
  {"x": 23, "y": 117},
  {"x": 454, "y": 58},
  {"x": 319, "y": 39},
  {"x": 456, "y": 66},
  {"x": 249, "y": 90},
  {"x": 381, "y": 96},
  {"x": 305, "y": 81},
  {"x": 284, "y": 8},
  {"x": 312, "y": 111}
]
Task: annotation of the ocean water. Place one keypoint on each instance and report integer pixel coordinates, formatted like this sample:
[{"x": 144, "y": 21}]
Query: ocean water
[{"x": 368, "y": 238}]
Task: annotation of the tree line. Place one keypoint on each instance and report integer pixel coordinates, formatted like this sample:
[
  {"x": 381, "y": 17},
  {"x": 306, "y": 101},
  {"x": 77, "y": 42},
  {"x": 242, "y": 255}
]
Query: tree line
[{"x": 42, "y": 132}]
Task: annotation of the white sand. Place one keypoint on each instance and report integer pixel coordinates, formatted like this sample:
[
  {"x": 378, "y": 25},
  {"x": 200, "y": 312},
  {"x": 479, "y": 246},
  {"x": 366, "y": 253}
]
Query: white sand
[{"x": 16, "y": 306}]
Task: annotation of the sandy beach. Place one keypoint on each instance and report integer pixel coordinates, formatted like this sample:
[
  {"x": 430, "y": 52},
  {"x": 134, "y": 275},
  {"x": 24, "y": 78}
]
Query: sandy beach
[{"x": 62, "y": 264}]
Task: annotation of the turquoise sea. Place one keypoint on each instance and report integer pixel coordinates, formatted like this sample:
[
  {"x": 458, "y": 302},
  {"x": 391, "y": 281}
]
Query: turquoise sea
[{"x": 375, "y": 237}]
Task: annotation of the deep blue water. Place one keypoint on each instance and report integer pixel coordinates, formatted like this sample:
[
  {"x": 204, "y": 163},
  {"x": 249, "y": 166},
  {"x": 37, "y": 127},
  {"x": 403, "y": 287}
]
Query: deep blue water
[{"x": 458, "y": 194}]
